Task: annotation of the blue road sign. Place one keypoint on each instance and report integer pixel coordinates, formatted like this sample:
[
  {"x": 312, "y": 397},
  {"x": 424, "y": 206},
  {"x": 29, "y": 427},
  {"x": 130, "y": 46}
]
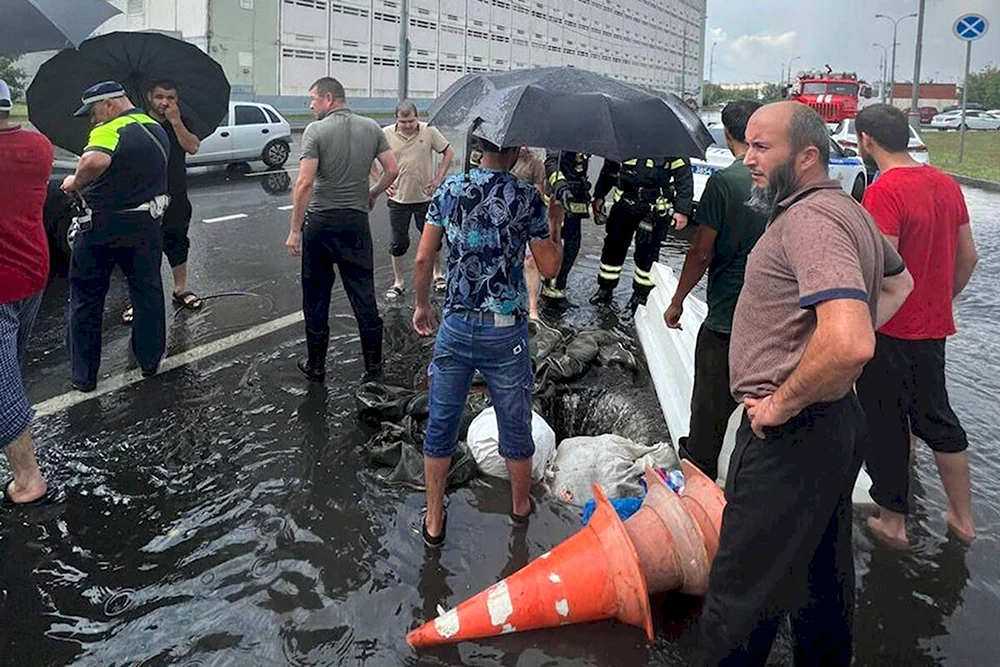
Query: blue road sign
[{"x": 970, "y": 27}]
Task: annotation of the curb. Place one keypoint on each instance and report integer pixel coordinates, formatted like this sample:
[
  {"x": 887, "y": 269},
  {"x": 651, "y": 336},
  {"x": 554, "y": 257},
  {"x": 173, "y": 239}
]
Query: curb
[{"x": 992, "y": 186}]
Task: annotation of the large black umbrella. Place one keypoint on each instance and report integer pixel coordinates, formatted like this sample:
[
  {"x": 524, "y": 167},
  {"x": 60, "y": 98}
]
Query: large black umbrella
[
  {"x": 567, "y": 108},
  {"x": 28, "y": 26},
  {"x": 135, "y": 60}
]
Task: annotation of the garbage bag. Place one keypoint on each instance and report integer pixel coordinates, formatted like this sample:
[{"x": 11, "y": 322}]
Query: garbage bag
[
  {"x": 484, "y": 442},
  {"x": 396, "y": 451},
  {"x": 542, "y": 340},
  {"x": 379, "y": 403},
  {"x": 613, "y": 462}
]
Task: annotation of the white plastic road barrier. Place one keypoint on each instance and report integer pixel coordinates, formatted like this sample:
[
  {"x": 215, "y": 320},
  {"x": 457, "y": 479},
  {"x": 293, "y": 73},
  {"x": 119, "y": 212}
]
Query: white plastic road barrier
[{"x": 670, "y": 354}]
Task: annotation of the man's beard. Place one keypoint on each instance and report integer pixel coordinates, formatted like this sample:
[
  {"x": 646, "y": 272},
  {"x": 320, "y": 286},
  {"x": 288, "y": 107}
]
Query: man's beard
[{"x": 780, "y": 185}]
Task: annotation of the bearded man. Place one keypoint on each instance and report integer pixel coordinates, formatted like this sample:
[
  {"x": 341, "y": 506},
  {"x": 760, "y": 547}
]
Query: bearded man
[{"x": 818, "y": 283}]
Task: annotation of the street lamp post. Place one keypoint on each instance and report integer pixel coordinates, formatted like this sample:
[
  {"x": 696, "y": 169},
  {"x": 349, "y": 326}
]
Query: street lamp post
[
  {"x": 788, "y": 79},
  {"x": 915, "y": 93},
  {"x": 895, "y": 29},
  {"x": 711, "y": 63},
  {"x": 881, "y": 73}
]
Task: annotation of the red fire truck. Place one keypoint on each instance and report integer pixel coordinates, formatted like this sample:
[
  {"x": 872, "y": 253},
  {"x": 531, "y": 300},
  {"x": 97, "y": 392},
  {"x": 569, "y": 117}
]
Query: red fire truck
[{"x": 835, "y": 96}]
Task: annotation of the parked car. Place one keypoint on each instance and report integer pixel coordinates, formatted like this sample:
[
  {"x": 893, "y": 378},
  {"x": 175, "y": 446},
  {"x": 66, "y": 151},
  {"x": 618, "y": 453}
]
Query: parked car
[
  {"x": 847, "y": 137},
  {"x": 845, "y": 165},
  {"x": 250, "y": 132},
  {"x": 994, "y": 112},
  {"x": 927, "y": 114},
  {"x": 958, "y": 107},
  {"x": 974, "y": 120}
]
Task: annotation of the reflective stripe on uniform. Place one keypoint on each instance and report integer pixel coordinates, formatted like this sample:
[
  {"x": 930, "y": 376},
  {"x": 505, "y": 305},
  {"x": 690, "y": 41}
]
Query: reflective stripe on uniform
[
  {"x": 677, "y": 164},
  {"x": 556, "y": 177},
  {"x": 610, "y": 269},
  {"x": 650, "y": 164},
  {"x": 578, "y": 208},
  {"x": 631, "y": 162},
  {"x": 642, "y": 278},
  {"x": 618, "y": 194}
]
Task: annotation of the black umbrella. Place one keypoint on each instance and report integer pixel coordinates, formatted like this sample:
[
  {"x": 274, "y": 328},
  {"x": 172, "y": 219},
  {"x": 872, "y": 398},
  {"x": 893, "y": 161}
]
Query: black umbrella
[
  {"x": 28, "y": 26},
  {"x": 135, "y": 60},
  {"x": 567, "y": 108}
]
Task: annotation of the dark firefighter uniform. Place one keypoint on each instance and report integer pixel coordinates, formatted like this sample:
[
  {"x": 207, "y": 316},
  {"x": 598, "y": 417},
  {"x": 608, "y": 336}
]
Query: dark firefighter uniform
[
  {"x": 568, "y": 184},
  {"x": 646, "y": 188}
]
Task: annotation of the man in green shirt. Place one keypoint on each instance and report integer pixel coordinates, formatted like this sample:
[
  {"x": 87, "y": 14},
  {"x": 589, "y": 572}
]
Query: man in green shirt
[{"x": 727, "y": 232}]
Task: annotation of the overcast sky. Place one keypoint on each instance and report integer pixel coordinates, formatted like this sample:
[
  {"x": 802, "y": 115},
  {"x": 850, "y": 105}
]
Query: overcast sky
[{"x": 754, "y": 38}]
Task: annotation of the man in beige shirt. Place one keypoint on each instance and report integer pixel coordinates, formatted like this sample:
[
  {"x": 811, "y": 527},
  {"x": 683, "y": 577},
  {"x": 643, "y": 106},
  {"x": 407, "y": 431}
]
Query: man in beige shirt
[{"x": 413, "y": 144}]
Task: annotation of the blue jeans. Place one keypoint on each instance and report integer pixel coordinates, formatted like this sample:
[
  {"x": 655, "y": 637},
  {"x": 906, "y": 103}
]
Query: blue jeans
[{"x": 466, "y": 342}]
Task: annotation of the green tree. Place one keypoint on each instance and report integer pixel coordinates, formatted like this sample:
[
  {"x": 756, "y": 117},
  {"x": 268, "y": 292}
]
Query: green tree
[
  {"x": 13, "y": 75},
  {"x": 984, "y": 87},
  {"x": 772, "y": 92}
]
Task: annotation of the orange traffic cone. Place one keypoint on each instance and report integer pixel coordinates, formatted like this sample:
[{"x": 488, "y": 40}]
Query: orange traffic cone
[
  {"x": 593, "y": 575},
  {"x": 674, "y": 535}
]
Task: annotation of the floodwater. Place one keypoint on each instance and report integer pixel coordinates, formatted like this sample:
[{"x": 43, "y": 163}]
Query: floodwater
[{"x": 223, "y": 514}]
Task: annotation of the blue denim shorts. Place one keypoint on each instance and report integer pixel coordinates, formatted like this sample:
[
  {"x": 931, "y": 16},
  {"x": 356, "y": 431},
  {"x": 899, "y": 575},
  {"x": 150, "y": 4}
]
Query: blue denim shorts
[
  {"x": 16, "y": 320},
  {"x": 470, "y": 341}
]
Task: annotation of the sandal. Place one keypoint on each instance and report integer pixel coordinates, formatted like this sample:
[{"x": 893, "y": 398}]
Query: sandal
[
  {"x": 394, "y": 292},
  {"x": 522, "y": 519},
  {"x": 430, "y": 541},
  {"x": 188, "y": 300},
  {"x": 7, "y": 503},
  {"x": 128, "y": 316},
  {"x": 440, "y": 284}
]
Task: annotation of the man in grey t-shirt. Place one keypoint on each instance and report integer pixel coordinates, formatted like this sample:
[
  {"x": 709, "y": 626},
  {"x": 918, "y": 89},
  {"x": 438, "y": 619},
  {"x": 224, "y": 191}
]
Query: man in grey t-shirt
[{"x": 332, "y": 199}]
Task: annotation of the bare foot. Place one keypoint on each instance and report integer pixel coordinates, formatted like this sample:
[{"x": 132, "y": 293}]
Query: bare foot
[
  {"x": 889, "y": 535},
  {"x": 26, "y": 493},
  {"x": 964, "y": 530}
]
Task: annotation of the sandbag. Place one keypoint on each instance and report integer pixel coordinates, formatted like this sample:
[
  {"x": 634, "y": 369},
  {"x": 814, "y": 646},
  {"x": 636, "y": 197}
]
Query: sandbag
[
  {"x": 484, "y": 442},
  {"x": 612, "y": 461}
]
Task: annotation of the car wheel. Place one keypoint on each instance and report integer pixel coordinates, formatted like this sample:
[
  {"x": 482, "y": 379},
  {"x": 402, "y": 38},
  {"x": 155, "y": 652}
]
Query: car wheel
[
  {"x": 276, "y": 153},
  {"x": 858, "y": 191}
]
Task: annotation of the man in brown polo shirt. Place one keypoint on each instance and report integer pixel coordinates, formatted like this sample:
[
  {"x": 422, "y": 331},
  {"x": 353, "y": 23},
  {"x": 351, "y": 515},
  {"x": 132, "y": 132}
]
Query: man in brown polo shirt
[
  {"x": 818, "y": 283},
  {"x": 413, "y": 144}
]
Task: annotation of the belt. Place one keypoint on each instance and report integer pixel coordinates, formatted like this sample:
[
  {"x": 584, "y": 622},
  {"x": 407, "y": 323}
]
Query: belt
[{"x": 487, "y": 317}]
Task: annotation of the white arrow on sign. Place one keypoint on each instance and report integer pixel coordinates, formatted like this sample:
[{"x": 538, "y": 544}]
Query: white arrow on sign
[{"x": 970, "y": 27}]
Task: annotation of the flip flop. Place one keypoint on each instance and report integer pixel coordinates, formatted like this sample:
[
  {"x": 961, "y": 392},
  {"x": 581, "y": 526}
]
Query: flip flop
[
  {"x": 7, "y": 503},
  {"x": 128, "y": 316},
  {"x": 182, "y": 300},
  {"x": 440, "y": 284},
  {"x": 394, "y": 292}
]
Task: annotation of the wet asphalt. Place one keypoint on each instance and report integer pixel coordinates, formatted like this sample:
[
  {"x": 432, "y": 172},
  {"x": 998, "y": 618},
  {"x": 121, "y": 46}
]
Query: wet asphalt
[{"x": 222, "y": 513}]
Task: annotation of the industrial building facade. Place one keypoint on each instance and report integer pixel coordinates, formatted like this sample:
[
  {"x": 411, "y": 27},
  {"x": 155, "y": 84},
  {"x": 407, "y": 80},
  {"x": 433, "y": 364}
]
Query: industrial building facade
[{"x": 279, "y": 47}]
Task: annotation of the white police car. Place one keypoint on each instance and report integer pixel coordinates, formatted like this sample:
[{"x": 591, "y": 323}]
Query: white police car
[{"x": 845, "y": 165}]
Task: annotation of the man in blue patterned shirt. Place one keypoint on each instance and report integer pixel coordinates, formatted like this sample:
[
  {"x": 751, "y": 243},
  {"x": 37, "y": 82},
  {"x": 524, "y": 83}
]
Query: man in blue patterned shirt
[{"x": 489, "y": 217}]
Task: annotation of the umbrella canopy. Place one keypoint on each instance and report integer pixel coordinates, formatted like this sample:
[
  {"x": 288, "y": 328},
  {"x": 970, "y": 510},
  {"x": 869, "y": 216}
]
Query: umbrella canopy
[
  {"x": 46, "y": 25},
  {"x": 135, "y": 60},
  {"x": 567, "y": 108}
]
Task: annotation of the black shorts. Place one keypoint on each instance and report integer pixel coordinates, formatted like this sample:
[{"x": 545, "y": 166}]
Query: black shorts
[
  {"x": 903, "y": 390},
  {"x": 176, "y": 221},
  {"x": 399, "y": 221}
]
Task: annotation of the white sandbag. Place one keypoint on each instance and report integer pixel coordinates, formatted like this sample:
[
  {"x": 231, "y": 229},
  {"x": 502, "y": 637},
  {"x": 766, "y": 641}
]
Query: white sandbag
[
  {"x": 613, "y": 462},
  {"x": 484, "y": 443}
]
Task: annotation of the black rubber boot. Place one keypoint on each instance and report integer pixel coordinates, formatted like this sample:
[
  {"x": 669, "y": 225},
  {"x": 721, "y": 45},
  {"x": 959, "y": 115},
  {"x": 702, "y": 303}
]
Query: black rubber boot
[
  {"x": 604, "y": 296},
  {"x": 371, "y": 350},
  {"x": 640, "y": 293},
  {"x": 314, "y": 366}
]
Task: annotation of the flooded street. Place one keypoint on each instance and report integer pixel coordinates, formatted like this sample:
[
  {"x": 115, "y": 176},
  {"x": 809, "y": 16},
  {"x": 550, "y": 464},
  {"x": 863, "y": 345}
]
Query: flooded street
[{"x": 223, "y": 512}]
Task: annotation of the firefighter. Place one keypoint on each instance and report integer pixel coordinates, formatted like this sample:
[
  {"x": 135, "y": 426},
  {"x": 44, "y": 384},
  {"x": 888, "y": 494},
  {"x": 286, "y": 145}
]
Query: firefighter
[
  {"x": 646, "y": 189},
  {"x": 567, "y": 182}
]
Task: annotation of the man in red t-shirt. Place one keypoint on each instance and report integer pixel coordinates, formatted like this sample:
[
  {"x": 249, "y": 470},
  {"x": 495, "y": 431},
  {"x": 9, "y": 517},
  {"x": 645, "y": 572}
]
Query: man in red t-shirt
[
  {"x": 25, "y": 164},
  {"x": 922, "y": 212}
]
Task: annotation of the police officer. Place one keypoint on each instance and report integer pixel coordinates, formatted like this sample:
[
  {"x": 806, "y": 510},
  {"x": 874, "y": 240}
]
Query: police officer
[
  {"x": 646, "y": 188},
  {"x": 122, "y": 176},
  {"x": 568, "y": 183}
]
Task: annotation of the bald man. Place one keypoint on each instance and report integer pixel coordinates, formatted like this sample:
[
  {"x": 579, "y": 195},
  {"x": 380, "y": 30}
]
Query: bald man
[{"x": 818, "y": 283}]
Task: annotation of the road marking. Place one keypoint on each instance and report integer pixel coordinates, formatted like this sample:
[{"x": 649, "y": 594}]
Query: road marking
[
  {"x": 69, "y": 399},
  {"x": 235, "y": 216},
  {"x": 286, "y": 208},
  {"x": 257, "y": 174}
]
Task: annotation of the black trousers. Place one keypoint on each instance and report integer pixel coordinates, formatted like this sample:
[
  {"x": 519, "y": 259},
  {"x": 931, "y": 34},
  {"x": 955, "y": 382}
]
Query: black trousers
[
  {"x": 623, "y": 220},
  {"x": 571, "y": 238},
  {"x": 711, "y": 402},
  {"x": 785, "y": 546},
  {"x": 399, "y": 223},
  {"x": 134, "y": 242},
  {"x": 902, "y": 389},
  {"x": 176, "y": 222},
  {"x": 339, "y": 238}
]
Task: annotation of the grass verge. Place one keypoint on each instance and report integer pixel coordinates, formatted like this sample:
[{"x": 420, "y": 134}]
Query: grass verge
[{"x": 982, "y": 153}]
